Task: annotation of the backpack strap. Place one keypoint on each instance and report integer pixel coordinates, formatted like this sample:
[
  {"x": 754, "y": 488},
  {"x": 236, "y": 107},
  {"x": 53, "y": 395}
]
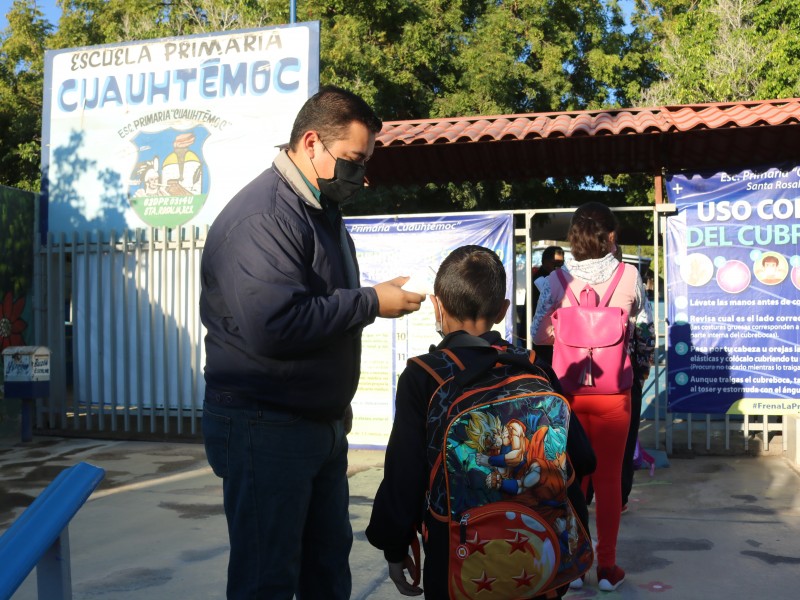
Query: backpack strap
[
  {"x": 461, "y": 340},
  {"x": 573, "y": 300},
  {"x": 486, "y": 363},
  {"x": 616, "y": 279},
  {"x": 618, "y": 272},
  {"x": 495, "y": 355},
  {"x": 430, "y": 370}
]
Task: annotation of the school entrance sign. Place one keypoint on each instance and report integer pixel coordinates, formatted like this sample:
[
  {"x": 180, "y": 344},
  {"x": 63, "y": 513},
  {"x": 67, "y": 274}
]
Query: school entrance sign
[{"x": 162, "y": 133}]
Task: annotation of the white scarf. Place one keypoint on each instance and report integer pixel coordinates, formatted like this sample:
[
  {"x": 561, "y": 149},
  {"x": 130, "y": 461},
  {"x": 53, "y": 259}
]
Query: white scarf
[{"x": 592, "y": 270}]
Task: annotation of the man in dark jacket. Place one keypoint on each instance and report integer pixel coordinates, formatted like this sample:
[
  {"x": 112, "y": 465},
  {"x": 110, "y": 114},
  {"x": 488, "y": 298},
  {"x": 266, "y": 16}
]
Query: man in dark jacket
[{"x": 281, "y": 302}]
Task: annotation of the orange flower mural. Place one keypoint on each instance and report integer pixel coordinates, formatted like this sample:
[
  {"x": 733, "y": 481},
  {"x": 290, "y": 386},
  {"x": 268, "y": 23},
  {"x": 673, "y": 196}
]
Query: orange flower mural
[{"x": 11, "y": 325}]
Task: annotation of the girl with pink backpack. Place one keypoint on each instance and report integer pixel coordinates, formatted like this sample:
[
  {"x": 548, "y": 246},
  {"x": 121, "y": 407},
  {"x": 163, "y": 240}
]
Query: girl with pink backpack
[{"x": 590, "y": 351}]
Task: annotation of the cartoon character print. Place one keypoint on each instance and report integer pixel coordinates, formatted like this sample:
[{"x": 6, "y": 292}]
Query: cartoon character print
[
  {"x": 516, "y": 459},
  {"x": 183, "y": 169},
  {"x": 530, "y": 467},
  {"x": 506, "y": 449},
  {"x": 148, "y": 175},
  {"x": 502, "y": 486}
]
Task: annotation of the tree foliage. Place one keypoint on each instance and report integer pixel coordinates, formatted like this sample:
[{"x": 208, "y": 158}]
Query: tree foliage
[
  {"x": 16, "y": 241},
  {"x": 711, "y": 51},
  {"x": 21, "y": 79},
  {"x": 723, "y": 50}
]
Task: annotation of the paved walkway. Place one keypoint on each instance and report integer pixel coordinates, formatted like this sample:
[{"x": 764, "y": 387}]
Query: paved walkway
[{"x": 704, "y": 528}]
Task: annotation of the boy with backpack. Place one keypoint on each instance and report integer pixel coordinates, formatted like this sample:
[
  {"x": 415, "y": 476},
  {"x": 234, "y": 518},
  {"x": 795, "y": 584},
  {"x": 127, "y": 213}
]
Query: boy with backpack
[{"x": 482, "y": 452}]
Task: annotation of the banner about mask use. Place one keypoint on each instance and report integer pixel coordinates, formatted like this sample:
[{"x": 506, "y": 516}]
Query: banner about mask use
[
  {"x": 162, "y": 133},
  {"x": 388, "y": 247},
  {"x": 733, "y": 260}
]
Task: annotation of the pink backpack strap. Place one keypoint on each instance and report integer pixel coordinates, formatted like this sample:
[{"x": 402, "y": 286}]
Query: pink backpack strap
[
  {"x": 610, "y": 291},
  {"x": 619, "y": 271},
  {"x": 573, "y": 300}
]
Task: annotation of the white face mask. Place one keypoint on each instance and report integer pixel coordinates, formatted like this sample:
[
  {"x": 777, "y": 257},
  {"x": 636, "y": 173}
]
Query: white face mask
[{"x": 438, "y": 323}]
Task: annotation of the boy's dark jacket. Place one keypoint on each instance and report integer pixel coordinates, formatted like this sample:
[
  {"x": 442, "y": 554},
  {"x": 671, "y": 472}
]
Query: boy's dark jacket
[{"x": 399, "y": 505}]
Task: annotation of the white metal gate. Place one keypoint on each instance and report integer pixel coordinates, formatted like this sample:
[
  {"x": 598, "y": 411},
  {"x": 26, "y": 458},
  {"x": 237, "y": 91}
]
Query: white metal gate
[{"x": 121, "y": 319}]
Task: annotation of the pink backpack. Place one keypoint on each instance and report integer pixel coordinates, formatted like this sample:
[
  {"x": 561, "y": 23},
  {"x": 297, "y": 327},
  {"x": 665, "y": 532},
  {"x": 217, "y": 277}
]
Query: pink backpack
[{"x": 590, "y": 352}]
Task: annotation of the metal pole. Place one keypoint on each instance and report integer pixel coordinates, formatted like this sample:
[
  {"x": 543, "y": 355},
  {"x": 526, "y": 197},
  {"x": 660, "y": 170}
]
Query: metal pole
[
  {"x": 292, "y": 11},
  {"x": 28, "y": 406},
  {"x": 54, "y": 572},
  {"x": 529, "y": 308}
]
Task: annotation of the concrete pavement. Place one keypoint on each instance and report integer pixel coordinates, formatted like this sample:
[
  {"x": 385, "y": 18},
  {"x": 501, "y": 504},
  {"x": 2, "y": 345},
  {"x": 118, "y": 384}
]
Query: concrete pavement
[{"x": 706, "y": 527}]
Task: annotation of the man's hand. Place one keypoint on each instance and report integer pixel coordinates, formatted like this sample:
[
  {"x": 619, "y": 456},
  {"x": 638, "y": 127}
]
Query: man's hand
[
  {"x": 395, "y": 302},
  {"x": 398, "y": 577}
]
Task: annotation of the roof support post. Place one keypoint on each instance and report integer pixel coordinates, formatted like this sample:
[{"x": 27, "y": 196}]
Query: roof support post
[{"x": 658, "y": 182}]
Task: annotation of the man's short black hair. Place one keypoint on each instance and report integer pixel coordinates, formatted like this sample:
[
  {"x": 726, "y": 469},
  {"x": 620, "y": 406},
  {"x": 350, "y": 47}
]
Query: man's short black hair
[
  {"x": 330, "y": 112},
  {"x": 471, "y": 283},
  {"x": 550, "y": 252}
]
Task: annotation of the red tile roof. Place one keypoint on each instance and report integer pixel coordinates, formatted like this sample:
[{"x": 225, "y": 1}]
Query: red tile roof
[{"x": 698, "y": 137}]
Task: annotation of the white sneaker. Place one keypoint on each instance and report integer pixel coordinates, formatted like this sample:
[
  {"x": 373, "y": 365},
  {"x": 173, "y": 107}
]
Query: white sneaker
[
  {"x": 577, "y": 584},
  {"x": 609, "y": 578}
]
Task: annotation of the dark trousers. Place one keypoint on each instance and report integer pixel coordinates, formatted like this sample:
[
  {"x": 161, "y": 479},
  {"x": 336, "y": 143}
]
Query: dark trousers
[
  {"x": 630, "y": 445},
  {"x": 285, "y": 490}
]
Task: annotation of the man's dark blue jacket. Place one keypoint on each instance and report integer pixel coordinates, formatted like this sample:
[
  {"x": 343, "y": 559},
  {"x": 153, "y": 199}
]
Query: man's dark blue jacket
[{"x": 280, "y": 299}]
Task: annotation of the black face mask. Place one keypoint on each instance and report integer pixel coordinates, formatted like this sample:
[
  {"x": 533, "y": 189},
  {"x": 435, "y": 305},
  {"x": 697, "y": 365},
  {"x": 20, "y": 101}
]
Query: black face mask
[{"x": 348, "y": 178}]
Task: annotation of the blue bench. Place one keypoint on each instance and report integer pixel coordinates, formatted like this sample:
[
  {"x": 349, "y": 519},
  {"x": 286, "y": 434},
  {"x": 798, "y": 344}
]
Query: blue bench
[{"x": 39, "y": 537}]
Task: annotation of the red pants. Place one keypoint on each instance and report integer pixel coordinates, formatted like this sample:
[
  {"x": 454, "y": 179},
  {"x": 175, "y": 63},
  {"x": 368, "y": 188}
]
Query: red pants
[{"x": 606, "y": 419}]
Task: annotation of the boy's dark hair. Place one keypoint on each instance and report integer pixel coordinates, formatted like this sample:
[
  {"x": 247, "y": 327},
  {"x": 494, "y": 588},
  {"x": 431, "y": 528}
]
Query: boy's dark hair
[
  {"x": 330, "y": 112},
  {"x": 471, "y": 283},
  {"x": 771, "y": 259},
  {"x": 588, "y": 231}
]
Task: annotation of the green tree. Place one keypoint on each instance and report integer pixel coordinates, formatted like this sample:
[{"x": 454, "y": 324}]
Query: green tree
[
  {"x": 723, "y": 50},
  {"x": 467, "y": 58},
  {"x": 441, "y": 58},
  {"x": 22, "y": 46},
  {"x": 16, "y": 241},
  {"x": 92, "y": 22}
]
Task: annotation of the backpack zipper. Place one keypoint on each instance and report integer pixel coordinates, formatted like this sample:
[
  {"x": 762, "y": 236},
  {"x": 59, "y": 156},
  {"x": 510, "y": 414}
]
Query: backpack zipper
[{"x": 462, "y": 526}]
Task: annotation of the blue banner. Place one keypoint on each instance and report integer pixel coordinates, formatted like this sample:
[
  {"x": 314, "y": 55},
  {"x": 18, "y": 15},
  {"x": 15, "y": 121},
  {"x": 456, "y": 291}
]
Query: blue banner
[
  {"x": 733, "y": 268},
  {"x": 388, "y": 247}
]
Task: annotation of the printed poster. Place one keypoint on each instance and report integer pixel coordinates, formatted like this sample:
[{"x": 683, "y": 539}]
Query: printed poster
[
  {"x": 388, "y": 247},
  {"x": 733, "y": 261}
]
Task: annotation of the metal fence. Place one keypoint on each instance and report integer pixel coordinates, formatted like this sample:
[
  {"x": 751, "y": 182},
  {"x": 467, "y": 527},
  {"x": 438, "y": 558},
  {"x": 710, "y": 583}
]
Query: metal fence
[{"x": 120, "y": 316}]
